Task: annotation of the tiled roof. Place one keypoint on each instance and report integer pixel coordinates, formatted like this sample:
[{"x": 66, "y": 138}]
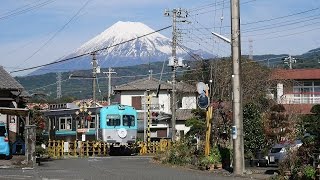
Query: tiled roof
[
  {"x": 298, "y": 108},
  {"x": 143, "y": 84},
  {"x": 184, "y": 114},
  {"x": 152, "y": 84},
  {"x": 295, "y": 74},
  {"x": 7, "y": 82},
  {"x": 23, "y": 94}
]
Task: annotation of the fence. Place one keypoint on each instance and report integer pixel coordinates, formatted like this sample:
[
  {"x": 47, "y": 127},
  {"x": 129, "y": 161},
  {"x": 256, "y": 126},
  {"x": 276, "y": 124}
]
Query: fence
[{"x": 61, "y": 149}]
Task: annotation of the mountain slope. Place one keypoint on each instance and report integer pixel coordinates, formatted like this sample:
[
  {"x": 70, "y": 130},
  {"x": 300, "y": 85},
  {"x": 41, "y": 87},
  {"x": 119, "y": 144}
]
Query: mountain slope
[{"x": 151, "y": 48}]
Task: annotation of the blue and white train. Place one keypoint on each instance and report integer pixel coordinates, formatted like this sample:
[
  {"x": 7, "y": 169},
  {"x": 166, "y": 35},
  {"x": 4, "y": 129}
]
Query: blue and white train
[{"x": 118, "y": 125}]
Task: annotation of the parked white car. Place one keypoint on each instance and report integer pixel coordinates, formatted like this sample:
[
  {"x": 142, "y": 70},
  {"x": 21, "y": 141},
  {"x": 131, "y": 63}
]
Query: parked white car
[{"x": 279, "y": 151}]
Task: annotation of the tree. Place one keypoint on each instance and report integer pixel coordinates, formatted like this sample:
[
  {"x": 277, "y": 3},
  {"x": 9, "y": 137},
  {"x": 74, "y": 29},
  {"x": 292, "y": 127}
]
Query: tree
[
  {"x": 38, "y": 119},
  {"x": 254, "y": 78},
  {"x": 197, "y": 123},
  {"x": 311, "y": 123},
  {"x": 277, "y": 124},
  {"x": 254, "y": 138}
]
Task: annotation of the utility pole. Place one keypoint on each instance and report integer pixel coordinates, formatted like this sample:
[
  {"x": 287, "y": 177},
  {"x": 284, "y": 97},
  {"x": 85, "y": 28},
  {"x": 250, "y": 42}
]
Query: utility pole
[
  {"x": 110, "y": 71},
  {"x": 149, "y": 121},
  {"x": 250, "y": 49},
  {"x": 94, "y": 76},
  {"x": 59, "y": 93},
  {"x": 237, "y": 128},
  {"x": 289, "y": 60},
  {"x": 175, "y": 13}
]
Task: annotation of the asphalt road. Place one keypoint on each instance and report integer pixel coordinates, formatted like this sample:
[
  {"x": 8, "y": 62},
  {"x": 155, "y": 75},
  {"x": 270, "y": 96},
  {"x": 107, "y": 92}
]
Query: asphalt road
[{"x": 113, "y": 168}]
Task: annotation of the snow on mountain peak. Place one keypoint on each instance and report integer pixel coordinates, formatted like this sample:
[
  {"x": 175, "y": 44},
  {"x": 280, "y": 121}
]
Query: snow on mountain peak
[
  {"x": 119, "y": 32},
  {"x": 151, "y": 48}
]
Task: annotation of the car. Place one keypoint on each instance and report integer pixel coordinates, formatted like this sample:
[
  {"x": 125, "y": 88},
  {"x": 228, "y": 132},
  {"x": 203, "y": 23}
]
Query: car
[
  {"x": 279, "y": 151},
  {"x": 4, "y": 142}
]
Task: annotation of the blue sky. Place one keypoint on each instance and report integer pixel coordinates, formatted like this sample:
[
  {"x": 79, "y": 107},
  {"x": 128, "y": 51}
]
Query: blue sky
[{"x": 22, "y": 34}]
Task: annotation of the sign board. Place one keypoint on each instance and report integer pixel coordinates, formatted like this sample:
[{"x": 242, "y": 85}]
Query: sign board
[
  {"x": 66, "y": 147},
  {"x": 234, "y": 132},
  {"x": 83, "y": 137},
  {"x": 203, "y": 101},
  {"x": 82, "y": 130},
  {"x": 202, "y": 87}
]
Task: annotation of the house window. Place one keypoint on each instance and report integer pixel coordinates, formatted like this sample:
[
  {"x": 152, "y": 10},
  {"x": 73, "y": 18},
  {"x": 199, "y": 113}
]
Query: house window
[
  {"x": 136, "y": 102},
  {"x": 92, "y": 123},
  {"x": 65, "y": 123},
  {"x": 179, "y": 103}
]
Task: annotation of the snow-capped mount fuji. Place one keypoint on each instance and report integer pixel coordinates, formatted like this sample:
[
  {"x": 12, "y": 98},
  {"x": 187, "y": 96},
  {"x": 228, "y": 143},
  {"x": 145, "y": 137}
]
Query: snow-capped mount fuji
[
  {"x": 151, "y": 48},
  {"x": 152, "y": 45}
]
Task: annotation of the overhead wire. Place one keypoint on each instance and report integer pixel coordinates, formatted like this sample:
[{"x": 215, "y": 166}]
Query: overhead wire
[
  {"x": 85, "y": 54},
  {"x": 178, "y": 71},
  {"x": 18, "y": 12},
  {"x": 56, "y": 33},
  {"x": 205, "y": 12}
]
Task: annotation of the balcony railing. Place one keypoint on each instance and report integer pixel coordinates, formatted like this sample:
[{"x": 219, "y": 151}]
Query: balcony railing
[{"x": 300, "y": 100}]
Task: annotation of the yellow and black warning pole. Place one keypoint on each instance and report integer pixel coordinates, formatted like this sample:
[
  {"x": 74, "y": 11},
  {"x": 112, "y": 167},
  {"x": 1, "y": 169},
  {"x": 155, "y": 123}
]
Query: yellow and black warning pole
[
  {"x": 148, "y": 125},
  {"x": 208, "y": 128}
]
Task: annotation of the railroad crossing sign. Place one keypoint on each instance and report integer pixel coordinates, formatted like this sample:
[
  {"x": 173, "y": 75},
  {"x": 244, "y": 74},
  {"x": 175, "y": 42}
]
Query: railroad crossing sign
[{"x": 203, "y": 101}]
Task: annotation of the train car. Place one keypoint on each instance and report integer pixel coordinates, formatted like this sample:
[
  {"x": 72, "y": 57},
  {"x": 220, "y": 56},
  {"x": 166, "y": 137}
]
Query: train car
[{"x": 118, "y": 125}]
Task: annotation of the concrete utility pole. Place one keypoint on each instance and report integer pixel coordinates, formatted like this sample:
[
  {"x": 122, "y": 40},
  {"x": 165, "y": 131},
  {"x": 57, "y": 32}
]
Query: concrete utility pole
[
  {"x": 175, "y": 13},
  {"x": 94, "y": 76},
  {"x": 237, "y": 129},
  {"x": 149, "y": 121},
  {"x": 59, "y": 93},
  {"x": 109, "y": 83},
  {"x": 289, "y": 60}
]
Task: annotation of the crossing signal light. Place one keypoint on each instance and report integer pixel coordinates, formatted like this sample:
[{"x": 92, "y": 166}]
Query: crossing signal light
[{"x": 154, "y": 117}]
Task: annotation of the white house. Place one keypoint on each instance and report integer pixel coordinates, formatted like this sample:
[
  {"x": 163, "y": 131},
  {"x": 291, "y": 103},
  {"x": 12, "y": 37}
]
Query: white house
[{"x": 134, "y": 94}]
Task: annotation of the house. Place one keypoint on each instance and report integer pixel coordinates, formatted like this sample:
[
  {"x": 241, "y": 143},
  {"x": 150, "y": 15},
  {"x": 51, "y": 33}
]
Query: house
[
  {"x": 65, "y": 121},
  {"x": 297, "y": 89},
  {"x": 134, "y": 94},
  {"x": 12, "y": 95}
]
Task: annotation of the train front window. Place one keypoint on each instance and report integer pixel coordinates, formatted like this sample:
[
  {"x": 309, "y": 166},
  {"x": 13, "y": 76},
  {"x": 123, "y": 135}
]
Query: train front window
[
  {"x": 113, "y": 120},
  {"x": 128, "y": 120}
]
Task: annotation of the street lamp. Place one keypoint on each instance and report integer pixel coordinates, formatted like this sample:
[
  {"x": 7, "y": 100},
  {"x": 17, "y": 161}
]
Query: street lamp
[
  {"x": 222, "y": 37},
  {"x": 237, "y": 112}
]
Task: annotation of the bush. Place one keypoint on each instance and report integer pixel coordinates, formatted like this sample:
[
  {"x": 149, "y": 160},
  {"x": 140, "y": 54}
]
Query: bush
[
  {"x": 309, "y": 173},
  {"x": 214, "y": 156},
  {"x": 40, "y": 151},
  {"x": 179, "y": 154},
  {"x": 290, "y": 164}
]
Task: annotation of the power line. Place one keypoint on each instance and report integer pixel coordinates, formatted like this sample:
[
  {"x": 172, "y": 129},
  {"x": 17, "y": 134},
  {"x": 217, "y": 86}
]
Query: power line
[
  {"x": 281, "y": 25},
  {"x": 286, "y": 35},
  {"x": 281, "y": 17},
  {"x": 271, "y": 19},
  {"x": 56, "y": 33},
  {"x": 16, "y": 12},
  {"x": 88, "y": 53},
  {"x": 277, "y": 31},
  {"x": 200, "y": 13},
  {"x": 215, "y": 4}
]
